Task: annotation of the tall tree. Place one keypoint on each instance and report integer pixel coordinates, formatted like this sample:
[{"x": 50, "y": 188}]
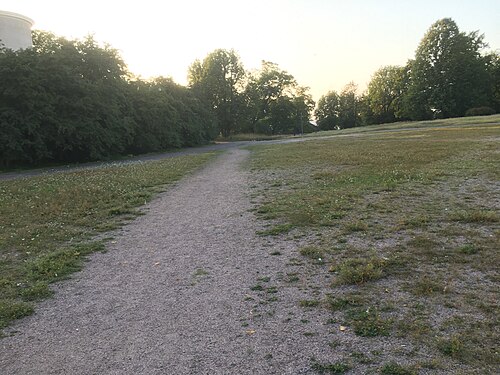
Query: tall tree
[
  {"x": 219, "y": 79},
  {"x": 349, "y": 106},
  {"x": 494, "y": 71},
  {"x": 387, "y": 86},
  {"x": 328, "y": 111},
  {"x": 275, "y": 101},
  {"x": 265, "y": 87},
  {"x": 448, "y": 75}
]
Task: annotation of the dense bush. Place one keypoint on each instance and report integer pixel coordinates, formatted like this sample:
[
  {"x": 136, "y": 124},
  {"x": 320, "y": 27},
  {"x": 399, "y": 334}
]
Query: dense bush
[
  {"x": 73, "y": 101},
  {"x": 480, "y": 111}
]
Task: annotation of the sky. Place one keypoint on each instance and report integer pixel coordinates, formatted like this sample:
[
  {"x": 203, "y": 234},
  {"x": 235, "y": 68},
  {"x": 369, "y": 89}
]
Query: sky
[{"x": 324, "y": 44}]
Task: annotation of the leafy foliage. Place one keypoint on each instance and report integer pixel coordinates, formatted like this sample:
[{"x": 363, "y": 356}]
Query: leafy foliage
[
  {"x": 218, "y": 80},
  {"x": 268, "y": 101},
  {"x": 449, "y": 76},
  {"x": 275, "y": 103},
  {"x": 340, "y": 111},
  {"x": 384, "y": 93},
  {"x": 73, "y": 100}
]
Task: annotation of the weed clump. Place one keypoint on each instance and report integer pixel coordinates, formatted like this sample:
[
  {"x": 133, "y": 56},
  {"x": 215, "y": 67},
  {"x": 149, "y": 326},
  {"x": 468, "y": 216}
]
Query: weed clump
[
  {"x": 309, "y": 303},
  {"x": 276, "y": 230},
  {"x": 360, "y": 270},
  {"x": 312, "y": 252},
  {"x": 468, "y": 249},
  {"x": 475, "y": 216},
  {"x": 330, "y": 368},
  {"x": 392, "y": 368},
  {"x": 452, "y": 346},
  {"x": 426, "y": 286},
  {"x": 368, "y": 323},
  {"x": 342, "y": 303},
  {"x": 357, "y": 226}
]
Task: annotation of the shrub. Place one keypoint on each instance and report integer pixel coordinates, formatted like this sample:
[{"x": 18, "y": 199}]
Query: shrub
[{"x": 480, "y": 111}]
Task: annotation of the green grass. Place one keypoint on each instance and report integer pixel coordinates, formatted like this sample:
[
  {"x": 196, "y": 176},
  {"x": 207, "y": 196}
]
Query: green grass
[
  {"x": 452, "y": 346},
  {"x": 468, "y": 249},
  {"x": 312, "y": 252},
  {"x": 393, "y": 368},
  {"x": 368, "y": 322},
  {"x": 336, "y": 303},
  {"x": 276, "y": 230},
  {"x": 360, "y": 270},
  {"x": 330, "y": 368},
  {"x": 11, "y": 309},
  {"x": 475, "y": 216},
  {"x": 408, "y": 219},
  {"x": 309, "y": 303},
  {"x": 250, "y": 137},
  {"x": 48, "y": 223},
  {"x": 422, "y": 125},
  {"x": 427, "y": 286}
]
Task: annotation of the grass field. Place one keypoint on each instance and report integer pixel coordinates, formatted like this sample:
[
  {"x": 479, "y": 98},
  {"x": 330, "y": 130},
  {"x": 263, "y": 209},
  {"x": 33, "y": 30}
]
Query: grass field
[
  {"x": 450, "y": 122},
  {"x": 48, "y": 224},
  {"x": 249, "y": 137},
  {"x": 400, "y": 233}
]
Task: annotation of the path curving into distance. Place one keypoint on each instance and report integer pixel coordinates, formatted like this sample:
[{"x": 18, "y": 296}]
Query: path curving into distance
[{"x": 172, "y": 295}]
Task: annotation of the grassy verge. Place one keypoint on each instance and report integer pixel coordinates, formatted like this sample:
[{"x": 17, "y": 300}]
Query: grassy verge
[
  {"x": 250, "y": 137},
  {"x": 450, "y": 122},
  {"x": 406, "y": 227},
  {"x": 48, "y": 224}
]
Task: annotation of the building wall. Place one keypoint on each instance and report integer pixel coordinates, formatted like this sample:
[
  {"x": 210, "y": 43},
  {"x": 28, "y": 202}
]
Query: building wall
[{"x": 15, "y": 31}]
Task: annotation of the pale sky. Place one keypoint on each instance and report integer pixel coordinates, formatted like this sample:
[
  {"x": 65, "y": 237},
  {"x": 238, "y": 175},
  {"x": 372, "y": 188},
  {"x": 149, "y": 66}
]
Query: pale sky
[{"x": 324, "y": 44}]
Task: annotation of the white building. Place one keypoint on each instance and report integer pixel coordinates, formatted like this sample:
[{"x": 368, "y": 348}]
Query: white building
[{"x": 15, "y": 31}]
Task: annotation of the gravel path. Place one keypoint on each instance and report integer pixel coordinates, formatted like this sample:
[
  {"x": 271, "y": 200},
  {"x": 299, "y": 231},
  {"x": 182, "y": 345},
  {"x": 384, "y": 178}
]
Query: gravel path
[{"x": 172, "y": 295}]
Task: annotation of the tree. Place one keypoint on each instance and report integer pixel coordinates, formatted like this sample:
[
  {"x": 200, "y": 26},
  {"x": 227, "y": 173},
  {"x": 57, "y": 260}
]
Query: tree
[
  {"x": 275, "y": 102},
  {"x": 494, "y": 72},
  {"x": 73, "y": 100},
  {"x": 265, "y": 87},
  {"x": 349, "y": 106},
  {"x": 328, "y": 111},
  {"x": 387, "y": 86},
  {"x": 448, "y": 75},
  {"x": 219, "y": 81}
]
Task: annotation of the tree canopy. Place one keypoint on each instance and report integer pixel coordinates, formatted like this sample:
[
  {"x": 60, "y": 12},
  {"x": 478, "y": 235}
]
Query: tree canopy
[
  {"x": 268, "y": 100},
  {"x": 450, "y": 76},
  {"x": 73, "y": 100},
  {"x": 275, "y": 102},
  {"x": 218, "y": 79},
  {"x": 340, "y": 111},
  {"x": 449, "y": 73}
]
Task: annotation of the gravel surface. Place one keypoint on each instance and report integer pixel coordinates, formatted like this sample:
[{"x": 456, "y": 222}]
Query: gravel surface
[{"x": 172, "y": 295}]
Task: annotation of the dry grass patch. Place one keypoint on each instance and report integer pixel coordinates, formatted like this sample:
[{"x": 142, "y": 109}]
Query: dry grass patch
[{"x": 410, "y": 215}]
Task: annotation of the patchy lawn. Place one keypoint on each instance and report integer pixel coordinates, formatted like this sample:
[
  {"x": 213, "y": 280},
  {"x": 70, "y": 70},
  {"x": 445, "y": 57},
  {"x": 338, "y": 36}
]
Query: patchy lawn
[
  {"x": 397, "y": 240},
  {"x": 48, "y": 224}
]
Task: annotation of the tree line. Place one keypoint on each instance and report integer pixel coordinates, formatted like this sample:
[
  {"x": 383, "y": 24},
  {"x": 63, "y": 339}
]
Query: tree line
[
  {"x": 448, "y": 77},
  {"x": 74, "y": 100}
]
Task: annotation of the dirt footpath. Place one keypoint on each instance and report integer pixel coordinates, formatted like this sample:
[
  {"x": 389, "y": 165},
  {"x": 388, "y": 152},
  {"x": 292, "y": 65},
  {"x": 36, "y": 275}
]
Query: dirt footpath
[{"x": 173, "y": 295}]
